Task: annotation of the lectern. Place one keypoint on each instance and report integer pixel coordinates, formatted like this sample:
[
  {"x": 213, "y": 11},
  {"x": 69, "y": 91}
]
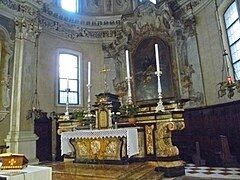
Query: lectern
[{"x": 13, "y": 161}]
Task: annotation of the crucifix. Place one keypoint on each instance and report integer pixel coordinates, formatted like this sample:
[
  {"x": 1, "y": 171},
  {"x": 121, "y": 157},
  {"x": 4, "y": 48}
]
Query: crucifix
[{"x": 104, "y": 71}]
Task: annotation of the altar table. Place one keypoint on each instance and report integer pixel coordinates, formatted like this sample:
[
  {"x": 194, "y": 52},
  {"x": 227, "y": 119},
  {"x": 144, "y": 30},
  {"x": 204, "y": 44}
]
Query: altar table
[
  {"x": 28, "y": 173},
  {"x": 110, "y": 138}
]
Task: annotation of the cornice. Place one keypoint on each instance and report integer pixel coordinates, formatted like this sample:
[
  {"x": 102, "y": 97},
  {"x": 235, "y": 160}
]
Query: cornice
[
  {"x": 75, "y": 26},
  {"x": 193, "y": 7}
]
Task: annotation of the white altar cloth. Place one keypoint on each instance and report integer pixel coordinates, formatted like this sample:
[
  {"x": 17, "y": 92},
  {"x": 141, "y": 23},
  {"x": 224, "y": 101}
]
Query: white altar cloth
[
  {"x": 28, "y": 173},
  {"x": 129, "y": 133}
]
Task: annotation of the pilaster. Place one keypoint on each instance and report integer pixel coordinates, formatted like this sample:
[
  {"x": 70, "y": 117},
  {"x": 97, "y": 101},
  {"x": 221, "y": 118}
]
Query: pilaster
[{"x": 21, "y": 137}]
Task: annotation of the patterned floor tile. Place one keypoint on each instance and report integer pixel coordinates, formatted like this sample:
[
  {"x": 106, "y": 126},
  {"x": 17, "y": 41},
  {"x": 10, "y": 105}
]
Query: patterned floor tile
[
  {"x": 192, "y": 172},
  {"x": 208, "y": 172},
  {"x": 212, "y": 172}
]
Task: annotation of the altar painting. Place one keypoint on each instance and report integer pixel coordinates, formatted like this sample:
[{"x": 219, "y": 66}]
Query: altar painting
[{"x": 144, "y": 62}]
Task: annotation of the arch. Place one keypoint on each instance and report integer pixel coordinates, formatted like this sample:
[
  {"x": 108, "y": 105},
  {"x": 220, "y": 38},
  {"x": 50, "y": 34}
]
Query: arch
[{"x": 5, "y": 33}]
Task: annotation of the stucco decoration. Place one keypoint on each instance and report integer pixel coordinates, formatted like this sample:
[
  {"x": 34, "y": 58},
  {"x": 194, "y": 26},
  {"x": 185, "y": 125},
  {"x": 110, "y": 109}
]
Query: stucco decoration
[
  {"x": 6, "y": 54},
  {"x": 151, "y": 21},
  {"x": 147, "y": 20},
  {"x": 93, "y": 5},
  {"x": 195, "y": 87},
  {"x": 121, "y": 5}
]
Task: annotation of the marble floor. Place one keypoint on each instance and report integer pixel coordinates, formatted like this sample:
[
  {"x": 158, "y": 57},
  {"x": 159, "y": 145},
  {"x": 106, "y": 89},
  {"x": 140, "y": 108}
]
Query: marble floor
[
  {"x": 212, "y": 172},
  {"x": 140, "y": 171}
]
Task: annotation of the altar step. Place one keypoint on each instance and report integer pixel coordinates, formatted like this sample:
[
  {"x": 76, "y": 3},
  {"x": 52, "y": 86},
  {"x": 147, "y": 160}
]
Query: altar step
[
  {"x": 138, "y": 171},
  {"x": 144, "y": 172}
]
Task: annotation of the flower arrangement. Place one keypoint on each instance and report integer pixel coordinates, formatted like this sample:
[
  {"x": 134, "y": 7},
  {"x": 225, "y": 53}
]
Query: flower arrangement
[{"x": 129, "y": 110}]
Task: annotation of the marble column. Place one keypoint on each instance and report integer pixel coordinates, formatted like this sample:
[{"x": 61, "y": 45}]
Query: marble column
[{"x": 21, "y": 137}]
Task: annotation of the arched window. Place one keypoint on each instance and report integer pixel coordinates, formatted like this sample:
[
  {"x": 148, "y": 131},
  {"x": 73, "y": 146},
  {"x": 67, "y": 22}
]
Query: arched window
[
  {"x": 69, "y": 5},
  {"x": 142, "y": 1},
  {"x": 232, "y": 24},
  {"x": 69, "y": 77},
  {"x": 154, "y": 1}
]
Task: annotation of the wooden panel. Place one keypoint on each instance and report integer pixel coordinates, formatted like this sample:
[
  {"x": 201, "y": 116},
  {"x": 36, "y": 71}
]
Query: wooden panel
[
  {"x": 43, "y": 129},
  {"x": 205, "y": 125}
]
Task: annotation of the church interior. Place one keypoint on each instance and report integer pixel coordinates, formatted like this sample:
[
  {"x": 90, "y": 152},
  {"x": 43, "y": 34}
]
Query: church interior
[{"x": 119, "y": 89}]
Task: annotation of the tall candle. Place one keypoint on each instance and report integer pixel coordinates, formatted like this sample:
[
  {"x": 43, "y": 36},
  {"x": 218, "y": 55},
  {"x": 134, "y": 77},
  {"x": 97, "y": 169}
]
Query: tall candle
[
  {"x": 127, "y": 64},
  {"x": 89, "y": 72},
  {"x": 67, "y": 82},
  {"x": 157, "y": 57}
]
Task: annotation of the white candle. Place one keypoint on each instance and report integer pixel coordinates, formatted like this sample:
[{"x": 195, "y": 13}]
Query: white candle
[
  {"x": 67, "y": 82},
  {"x": 127, "y": 64},
  {"x": 89, "y": 72},
  {"x": 157, "y": 57}
]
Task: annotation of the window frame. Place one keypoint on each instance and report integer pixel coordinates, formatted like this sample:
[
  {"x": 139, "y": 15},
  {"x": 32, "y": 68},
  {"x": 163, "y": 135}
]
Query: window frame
[
  {"x": 80, "y": 77},
  {"x": 227, "y": 37}
]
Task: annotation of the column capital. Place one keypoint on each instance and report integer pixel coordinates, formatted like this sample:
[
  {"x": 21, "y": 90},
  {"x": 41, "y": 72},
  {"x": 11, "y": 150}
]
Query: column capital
[{"x": 27, "y": 29}]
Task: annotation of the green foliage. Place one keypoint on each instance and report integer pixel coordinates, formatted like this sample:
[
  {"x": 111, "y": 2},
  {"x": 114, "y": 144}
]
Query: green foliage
[
  {"x": 129, "y": 110},
  {"x": 78, "y": 114}
]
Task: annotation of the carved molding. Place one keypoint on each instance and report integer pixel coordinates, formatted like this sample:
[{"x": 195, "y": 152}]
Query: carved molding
[
  {"x": 27, "y": 29},
  {"x": 76, "y": 26},
  {"x": 3, "y": 115},
  {"x": 149, "y": 131},
  {"x": 164, "y": 138},
  {"x": 146, "y": 21}
]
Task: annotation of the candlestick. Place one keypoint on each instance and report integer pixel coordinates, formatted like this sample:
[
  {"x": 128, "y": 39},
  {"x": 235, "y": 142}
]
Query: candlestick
[
  {"x": 89, "y": 72},
  {"x": 160, "y": 106}
]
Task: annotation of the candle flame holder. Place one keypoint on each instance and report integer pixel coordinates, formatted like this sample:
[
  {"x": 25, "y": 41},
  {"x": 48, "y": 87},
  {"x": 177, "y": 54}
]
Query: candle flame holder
[
  {"x": 129, "y": 90},
  {"x": 89, "y": 86}
]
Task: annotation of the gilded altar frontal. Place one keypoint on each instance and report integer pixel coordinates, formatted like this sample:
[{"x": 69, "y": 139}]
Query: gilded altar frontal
[{"x": 119, "y": 89}]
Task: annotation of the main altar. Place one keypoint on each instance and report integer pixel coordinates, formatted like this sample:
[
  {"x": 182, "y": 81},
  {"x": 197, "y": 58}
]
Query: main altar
[
  {"x": 130, "y": 131},
  {"x": 101, "y": 145},
  {"x": 149, "y": 139}
]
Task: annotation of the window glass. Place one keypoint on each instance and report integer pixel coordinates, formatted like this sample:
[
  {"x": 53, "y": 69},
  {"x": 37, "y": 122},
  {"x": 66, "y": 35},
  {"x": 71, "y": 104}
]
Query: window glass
[
  {"x": 153, "y": 1},
  {"x": 237, "y": 70},
  {"x": 234, "y": 32},
  {"x": 232, "y": 25},
  {"x": 235, "y": 51},
  {"x": 231, "y": 14},
  {"x": 68, "y": 78},
  {"x": 69, "y": 5}
]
